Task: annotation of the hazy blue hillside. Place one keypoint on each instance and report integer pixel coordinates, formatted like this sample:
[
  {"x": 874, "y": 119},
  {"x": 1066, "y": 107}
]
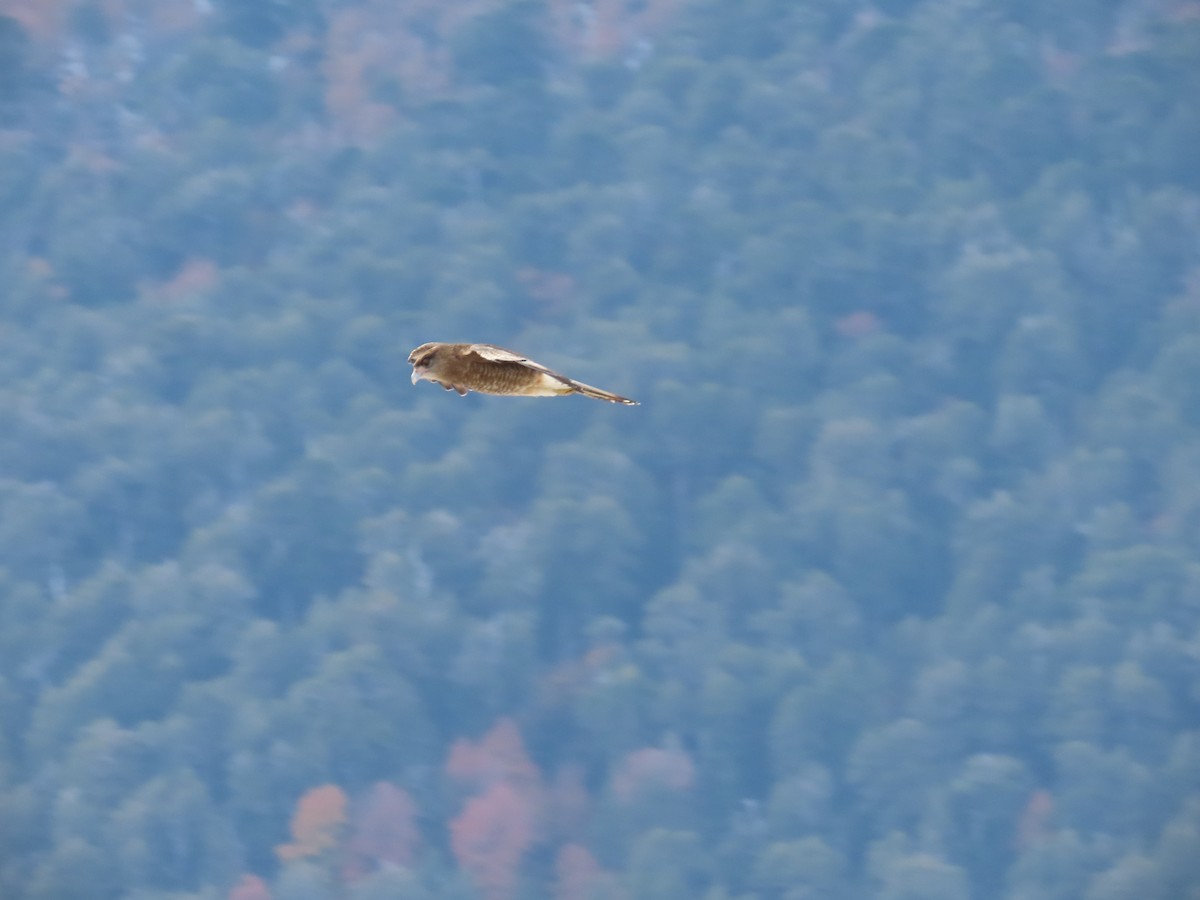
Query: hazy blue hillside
[{"x": 889, "y": 589}]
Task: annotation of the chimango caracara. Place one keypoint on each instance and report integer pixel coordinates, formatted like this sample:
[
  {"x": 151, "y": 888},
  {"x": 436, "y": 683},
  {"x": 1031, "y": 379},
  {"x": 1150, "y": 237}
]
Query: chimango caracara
[{"x": 489, "y": 369}]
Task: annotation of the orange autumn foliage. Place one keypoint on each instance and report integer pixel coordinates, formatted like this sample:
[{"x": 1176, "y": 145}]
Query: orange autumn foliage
[
  {"x": 653, "y": 768},
  {"x": 514, "y": 809},
  {"x": 193, "y": 277},
  {"x": 579, "y": 877},
  {"x": 576, "y": 871},
  {"x": 39, "y": 267},
  {"x": 384, "y": 831},
  {"x": 49, "y": 20},
  {"x": 355, "y": 49},
  {"x": 378, "y": 55},
  {"x": 173, "y": 15},
  {"x": 499, "y": 756},
  {"x": 381, "y": 42},
  {"x": 317, "y": 822},
  {"x": 857, "y": 324},
  {"x": 251, "y": 887},
  {"x": 490, "y": 837},
  {"x": 43, "y": 19},
  {"x": 1035, "y": 819}
]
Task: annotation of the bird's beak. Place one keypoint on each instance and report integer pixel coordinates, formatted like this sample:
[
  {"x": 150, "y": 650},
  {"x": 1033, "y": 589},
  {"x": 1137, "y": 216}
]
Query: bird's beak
[{"x": 416, "y": 375}]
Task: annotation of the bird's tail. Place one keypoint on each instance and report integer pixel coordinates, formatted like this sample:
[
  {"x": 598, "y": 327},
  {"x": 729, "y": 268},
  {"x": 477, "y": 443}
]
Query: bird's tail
[{"x": 588, "y": 391}]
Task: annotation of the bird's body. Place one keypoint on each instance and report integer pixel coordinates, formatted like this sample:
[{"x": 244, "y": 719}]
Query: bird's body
[{"x": 489, "y": 369}]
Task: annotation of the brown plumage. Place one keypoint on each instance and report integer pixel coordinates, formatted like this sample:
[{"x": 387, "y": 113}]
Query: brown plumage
[{"x": 489, "y": 369}]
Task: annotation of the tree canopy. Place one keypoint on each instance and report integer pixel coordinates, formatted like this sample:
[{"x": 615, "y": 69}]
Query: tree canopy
[{"x": 889, "y": 588}]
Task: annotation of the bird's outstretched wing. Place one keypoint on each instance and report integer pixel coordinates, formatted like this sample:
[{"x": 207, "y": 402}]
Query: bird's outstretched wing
[
  {"x": 494, "y": 354},
  {"x": 490, "y": 369},
  {"x": 490, "y": 353}
]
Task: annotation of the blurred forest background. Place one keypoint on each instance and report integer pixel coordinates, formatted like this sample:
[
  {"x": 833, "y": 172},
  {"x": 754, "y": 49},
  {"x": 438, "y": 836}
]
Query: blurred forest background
[{"x": 890, "y": 588}]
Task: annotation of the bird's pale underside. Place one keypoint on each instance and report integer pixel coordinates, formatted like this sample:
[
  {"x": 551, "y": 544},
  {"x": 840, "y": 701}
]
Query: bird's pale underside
[{"x": 489, "y": 369}]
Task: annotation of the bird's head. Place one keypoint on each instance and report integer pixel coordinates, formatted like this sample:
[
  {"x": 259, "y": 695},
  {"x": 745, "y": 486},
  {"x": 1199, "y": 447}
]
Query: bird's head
[{"x": 422, "y": 361}]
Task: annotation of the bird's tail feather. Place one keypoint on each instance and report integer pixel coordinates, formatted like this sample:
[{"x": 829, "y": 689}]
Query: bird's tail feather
[{"x": 588, "y": 391}]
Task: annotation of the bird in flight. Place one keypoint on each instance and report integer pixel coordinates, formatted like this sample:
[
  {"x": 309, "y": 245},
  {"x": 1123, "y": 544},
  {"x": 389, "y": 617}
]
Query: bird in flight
[{"x": 489, "y": 369}]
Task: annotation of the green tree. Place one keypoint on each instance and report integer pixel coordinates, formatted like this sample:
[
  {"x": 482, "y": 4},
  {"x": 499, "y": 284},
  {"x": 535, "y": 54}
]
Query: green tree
[
  {"x": 14, "y": 66},
  {"x": 494, "y": 661},
  {"x": 25, "y": 833},
  {"x": 75, "y": 869},
  {"x": 821, "y": 721},
  {"x": 104, "y": 765},
  {"x": 1055, "y": 865},
  {"x": 589, "y": 545},
  {"x": 1178, "y": 870},
  {"x": 169, "y": 835},
  {"x": 264, "y": 23},
  {"x": 1023, "y": 432},
  {"x": 802, "y": 803},
  {"x": 356, "y": 719},
  {"x": 815, "y": 615},
  {"x": 40, "y": 527},
  {"x": 391, "y": 883},
  {"x": 666, "y": 865},
  {"x": 1104, "y": 792},
  {"x": 222, "y": 78},
  {"x": 503, "y": 47},
  {"x": 892, "y": 769},
  {"x": 984, "y": 803},
  {"x": 799, "y": 870},
  {"x": 1133, "y": 875},
  {"x": 304, "y": 881},
  {"x": 923, "y": 877}
]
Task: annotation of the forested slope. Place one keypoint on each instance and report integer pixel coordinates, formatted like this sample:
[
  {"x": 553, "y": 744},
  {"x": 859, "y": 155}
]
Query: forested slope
[{"x": 889, "y": 588}]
